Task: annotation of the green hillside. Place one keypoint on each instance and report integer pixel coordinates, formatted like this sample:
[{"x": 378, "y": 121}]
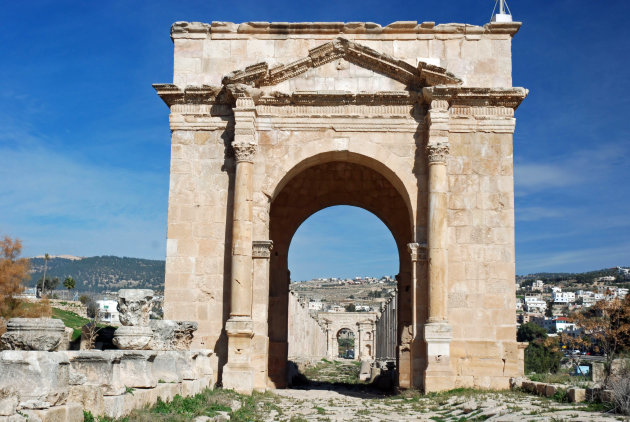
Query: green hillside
[{"x": 102, "y": 273}]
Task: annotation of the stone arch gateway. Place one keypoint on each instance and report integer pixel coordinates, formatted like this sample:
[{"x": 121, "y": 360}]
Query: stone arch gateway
[{"x": 273, "y": 121}]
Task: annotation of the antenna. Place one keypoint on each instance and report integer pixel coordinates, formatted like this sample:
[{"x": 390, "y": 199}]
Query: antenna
[{"x": 502, "y": 16}]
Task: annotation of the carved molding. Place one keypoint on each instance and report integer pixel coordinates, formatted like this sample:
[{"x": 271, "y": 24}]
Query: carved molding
[
  {"x": 262, "y": 248},
  {"x": 244, "y": 151},
  {"x": 475, "y": 97},
  {"x": 199, "y": 29},
  {"x": 437, "y": 152},
  {"x": 424, "y": 74}
]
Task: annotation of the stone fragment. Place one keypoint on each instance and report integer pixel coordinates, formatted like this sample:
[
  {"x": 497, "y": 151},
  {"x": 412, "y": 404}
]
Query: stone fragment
[
  {"x": 8, "y": 402},
  {"x": 99, "y": 368},
  {"x": 133, "y": 337},
  {"x": 172, "y": 335},
  {"x": 44, "y": 334},
  {"x": 71, "y": 412},
  {"x": 165, "y": 366},
  {"x": 38, "y": 376},
  {"x": 576, "y": 395},
  {"x": 134, "y": 306},
  {"x": 89, "y": 396},
  {"x": 136, "y": 369}
]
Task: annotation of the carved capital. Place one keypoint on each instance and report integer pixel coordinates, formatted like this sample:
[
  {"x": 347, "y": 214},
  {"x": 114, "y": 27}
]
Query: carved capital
[
  {"x": 262, "y": 248},
  {"x": 437, "y": 153},
  {"x": 244, "y": 151},
  {"x": 439, "y": 105},
  {"x": 418, "y": 251}
]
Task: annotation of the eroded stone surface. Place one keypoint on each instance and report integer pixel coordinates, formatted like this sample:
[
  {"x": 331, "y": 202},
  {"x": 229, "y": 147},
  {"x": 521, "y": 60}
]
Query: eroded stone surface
[
  {"x": 172, "y": 335},
  {"x": 134, "y": 306},
  {"x": 133, "y": 337},
  {"x": 44, "y": 334}
]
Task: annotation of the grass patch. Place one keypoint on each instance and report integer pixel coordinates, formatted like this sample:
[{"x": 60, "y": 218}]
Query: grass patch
[{"x": 70, "y": 319}]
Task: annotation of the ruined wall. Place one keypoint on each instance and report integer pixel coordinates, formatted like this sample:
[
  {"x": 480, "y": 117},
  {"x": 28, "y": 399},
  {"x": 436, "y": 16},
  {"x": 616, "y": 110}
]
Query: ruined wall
[{"x": 307, "y": 339}]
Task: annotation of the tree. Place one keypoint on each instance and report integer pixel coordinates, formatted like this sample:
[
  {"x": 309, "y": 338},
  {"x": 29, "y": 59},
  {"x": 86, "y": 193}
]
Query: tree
[
  {"x": 47, "y": 284},
  {"x": 46, "y": 258},
  {"x": 69, "y": 283},
  {"x": 605, "y": 330},
  {"x": 13, "y": 271},
  {"x": 542, "y": 355},
  {"x": 351, "y": 308}
]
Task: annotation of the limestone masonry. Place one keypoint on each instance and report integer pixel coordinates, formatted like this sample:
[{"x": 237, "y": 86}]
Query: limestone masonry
[{"x": 272, "y": 122}]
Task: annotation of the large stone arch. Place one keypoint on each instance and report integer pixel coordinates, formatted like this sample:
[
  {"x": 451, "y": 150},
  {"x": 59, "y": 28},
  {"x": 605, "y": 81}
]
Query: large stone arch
[
  {"x": 386, "y": 102},
  {"x": 320, "y": 186}
]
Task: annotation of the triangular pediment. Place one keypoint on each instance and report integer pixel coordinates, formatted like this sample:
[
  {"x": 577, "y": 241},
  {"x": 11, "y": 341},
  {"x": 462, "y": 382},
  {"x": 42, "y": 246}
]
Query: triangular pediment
[{"x": 412, "y": 77}]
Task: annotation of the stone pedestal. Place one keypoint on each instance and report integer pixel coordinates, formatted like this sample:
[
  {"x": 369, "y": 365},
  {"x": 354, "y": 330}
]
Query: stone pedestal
[
  {"x": 439, "y": 375},
  {"x": 132, "y": 338},
  {"x": 45, "y": 334},
  {"x": 238, "y": 373}
]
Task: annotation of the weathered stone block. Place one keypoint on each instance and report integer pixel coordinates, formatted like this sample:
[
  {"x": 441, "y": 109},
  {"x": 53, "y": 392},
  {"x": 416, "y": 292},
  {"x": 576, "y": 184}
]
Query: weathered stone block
[
  {"x": 172, "y": 335},
  {"x": 89, "y": 396},
  {"x": 70, "y": 412},
  {"x": 136, "y": 368},
  {"x": 134, "y": 306},
  {"x": 101, "y": 368},
  {"x": 133, "y": 337},
  {"x": 8, "y": 403},
  {"x": 165, "y": 366},
  {"x": 44, "y": 334},
  {"x": 576, "y": 395},
  {"x": 39, "y": 376}
]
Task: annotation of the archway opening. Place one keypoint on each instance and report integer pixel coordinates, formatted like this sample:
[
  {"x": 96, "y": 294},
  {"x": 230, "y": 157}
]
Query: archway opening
[
  {"x": 324, "y": 186},
  {"x": 345, "y": 343}
]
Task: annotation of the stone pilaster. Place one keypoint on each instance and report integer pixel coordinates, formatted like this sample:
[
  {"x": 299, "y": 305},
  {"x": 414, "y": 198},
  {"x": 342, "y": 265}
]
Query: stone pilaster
[
  {"x": 437, "y": 331},
  {"x": 261, "y": 253},
  {"x": 238, "y": 373}
]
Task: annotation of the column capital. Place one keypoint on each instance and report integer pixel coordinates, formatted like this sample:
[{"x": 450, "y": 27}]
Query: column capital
[
  {"x": 262, "y": 248},
  {"x": 244, "y": 151},
  {"x": 437, "y": 152},
  {"x": 418, "y": 251}
]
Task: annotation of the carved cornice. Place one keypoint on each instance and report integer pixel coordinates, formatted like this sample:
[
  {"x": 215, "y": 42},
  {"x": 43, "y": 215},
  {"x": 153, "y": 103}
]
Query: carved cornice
[
  {"x": 244, "y": 151},
  {"x": 437, "y": 153},
  {"x": 199, "y": 29},
  {"x": 476, "y": 97},
  {"x": 262, "y": 248},
  {"x": 325, "y": 98},
  {"x": 171, "y": 94},
  {"x": 413, "y": 77}
]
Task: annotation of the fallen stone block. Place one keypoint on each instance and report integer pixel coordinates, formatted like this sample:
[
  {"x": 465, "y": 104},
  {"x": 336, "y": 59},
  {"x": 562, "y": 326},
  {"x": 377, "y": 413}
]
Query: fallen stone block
[
  {"x": 98, "y": 367},
  {"x": 576, "y": 395},
  {"x": 70, "y": 412},
  {"x": 114, "y": 406},
  {"x": 186, "y": 365},
  {"x": 541, "y": 388},
  {"x": 136, "y": 368},
  {"x": 606, "y": 396},
  {"x": 516, "y": 382},
  {"x": 89, "y": 396},
  {"x": 165, "y": 366},
  {"x": 203, "y": 363},
  {"x": 40, "y": 334},
  {"x": 34, "y": 375},
  {"x": 550, "y": 390},
  {"x": 172, "y": 335},
  {"x": 529, "y": 386}
]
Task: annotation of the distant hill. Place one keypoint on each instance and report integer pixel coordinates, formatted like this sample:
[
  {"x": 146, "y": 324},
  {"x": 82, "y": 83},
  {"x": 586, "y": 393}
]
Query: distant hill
[
  {"x": 101, "y": 273},
  {"x": 581, "y": 278}
]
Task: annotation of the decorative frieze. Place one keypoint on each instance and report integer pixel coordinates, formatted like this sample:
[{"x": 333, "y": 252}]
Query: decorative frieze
[{"x": 477, "y": 97}]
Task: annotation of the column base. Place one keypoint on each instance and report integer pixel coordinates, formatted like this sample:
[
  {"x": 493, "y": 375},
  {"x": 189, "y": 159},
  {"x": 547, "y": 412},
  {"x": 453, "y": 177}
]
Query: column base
[
  {"x": 238, "y": 373},
  {"x": 439, "y": 375},
  {"x": 239, "y": 378}
]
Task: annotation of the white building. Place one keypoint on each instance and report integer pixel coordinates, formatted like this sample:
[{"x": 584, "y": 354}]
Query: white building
[
  {"x": 315, "y": 305},
  {"x": 563, "y": 297},
  {"x": 534, "y": 303},
  {"x": 538, "y": 286},
  {"x": 108, "y": 311}
]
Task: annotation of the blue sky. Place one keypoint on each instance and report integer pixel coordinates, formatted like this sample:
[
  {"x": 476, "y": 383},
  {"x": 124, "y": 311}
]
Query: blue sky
[{"x": 84, "y": 140}]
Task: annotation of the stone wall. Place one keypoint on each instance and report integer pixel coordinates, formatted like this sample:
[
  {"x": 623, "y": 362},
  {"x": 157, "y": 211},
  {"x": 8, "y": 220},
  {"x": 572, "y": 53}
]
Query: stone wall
[
  {"x": 306, "y": 338},
  {"x": 58, "y": 386}
]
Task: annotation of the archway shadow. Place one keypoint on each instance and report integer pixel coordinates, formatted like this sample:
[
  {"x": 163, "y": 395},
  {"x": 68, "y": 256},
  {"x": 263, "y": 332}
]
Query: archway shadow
[{"x": 383, "y": 385}]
